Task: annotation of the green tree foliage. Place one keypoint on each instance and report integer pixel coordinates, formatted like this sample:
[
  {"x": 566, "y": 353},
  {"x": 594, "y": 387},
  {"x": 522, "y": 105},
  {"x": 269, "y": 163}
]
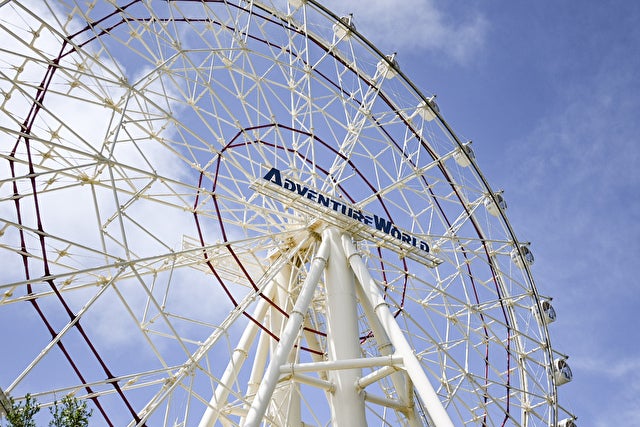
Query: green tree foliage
[
  {"x": 72, "y": 413},
  {"x": 21, "y": 414}
]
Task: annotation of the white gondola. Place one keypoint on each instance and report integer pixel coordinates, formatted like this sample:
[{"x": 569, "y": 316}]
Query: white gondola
[
  {"x": 344, "y": 27},
  {"x": 495, "y": 204},
  {"x": 548, "y": 313},
  {"x": 561, "y": 371},
  {"x": 522, "y": 256},
  {"x": 388, "y": 69},
  {"x": 428, "y": 109},
  {"x": 464, "y": 155},
  {"x": 568, "y": 422}
]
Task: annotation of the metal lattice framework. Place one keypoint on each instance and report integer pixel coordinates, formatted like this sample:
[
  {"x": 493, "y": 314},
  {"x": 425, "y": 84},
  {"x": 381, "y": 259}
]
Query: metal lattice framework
[{"x": 235, "y": 212}]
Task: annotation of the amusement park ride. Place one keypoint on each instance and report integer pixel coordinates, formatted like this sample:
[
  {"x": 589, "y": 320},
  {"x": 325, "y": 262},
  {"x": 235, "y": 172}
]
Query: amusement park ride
[{"x": 244, "y": 213}]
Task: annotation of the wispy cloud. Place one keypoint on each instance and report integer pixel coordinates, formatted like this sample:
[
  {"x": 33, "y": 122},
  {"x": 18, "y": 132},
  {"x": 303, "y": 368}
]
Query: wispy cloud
[
  {"x": 583, "y": 157},
  {"x": 625, "y": 367},
  {"x": 618, "y": 377},
  {"x": 419, "y": 24},
  {"x": 575, "y": 196}
]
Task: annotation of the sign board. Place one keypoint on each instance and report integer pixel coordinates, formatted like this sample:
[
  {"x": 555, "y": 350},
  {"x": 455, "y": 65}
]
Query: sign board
[{"x": 338, "y": 212}]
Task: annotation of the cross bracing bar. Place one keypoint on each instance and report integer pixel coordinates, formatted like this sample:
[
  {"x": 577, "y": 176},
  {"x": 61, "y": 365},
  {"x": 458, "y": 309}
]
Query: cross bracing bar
[{"x": 330, "y": 365}]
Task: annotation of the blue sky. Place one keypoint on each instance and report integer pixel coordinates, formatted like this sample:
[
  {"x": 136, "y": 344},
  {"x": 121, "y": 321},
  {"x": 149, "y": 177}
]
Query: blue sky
[{"x": 550, "y": 94}]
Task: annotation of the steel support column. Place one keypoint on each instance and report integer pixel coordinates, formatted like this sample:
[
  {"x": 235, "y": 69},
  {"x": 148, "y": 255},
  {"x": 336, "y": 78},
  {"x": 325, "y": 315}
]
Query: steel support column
[
  {"x": 423, "y": 387},
  {"x": 347, "y": 403},
  {"x": 296, "y": 317}
]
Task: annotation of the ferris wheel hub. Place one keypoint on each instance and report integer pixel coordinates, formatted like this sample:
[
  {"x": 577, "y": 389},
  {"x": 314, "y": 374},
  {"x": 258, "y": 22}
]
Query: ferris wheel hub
[{"x": 335, "y": 210}]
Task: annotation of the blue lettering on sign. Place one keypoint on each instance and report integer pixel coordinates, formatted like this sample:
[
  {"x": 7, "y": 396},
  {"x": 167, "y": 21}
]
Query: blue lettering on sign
[
  {"x": 379, "y": 223},
  {"x": 382, "y": 224}
]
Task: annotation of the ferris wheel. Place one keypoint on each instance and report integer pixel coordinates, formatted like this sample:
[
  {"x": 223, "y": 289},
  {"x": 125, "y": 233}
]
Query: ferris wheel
[{"x": 240, "y": 213}]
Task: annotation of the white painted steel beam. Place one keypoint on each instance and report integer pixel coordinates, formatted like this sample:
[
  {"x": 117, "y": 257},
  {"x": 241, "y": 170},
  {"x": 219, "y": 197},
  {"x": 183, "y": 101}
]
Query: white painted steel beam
[
  {"x": 399, "y": 379},
  {"x": 296, "y": 317},
  {"x": 426, "y": 393},
  {"x": 335, "y": 365},
  {"x": 343, "y": 338},
  {"x": 312, "y": 381},
  {"x": 219, "y": 398},
  {"x": 281, "y": 274},
  {"x": 377, "y": 375}
]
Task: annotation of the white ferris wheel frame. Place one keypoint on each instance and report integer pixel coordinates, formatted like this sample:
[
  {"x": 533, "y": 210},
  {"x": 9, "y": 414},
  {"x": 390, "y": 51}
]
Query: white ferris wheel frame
[{"x": 307, "y": 215}]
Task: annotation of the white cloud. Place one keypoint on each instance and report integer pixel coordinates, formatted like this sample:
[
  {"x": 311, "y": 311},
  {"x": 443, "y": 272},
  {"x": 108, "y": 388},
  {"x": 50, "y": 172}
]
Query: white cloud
[
  {"x": 86, "y": 212},
  {"x": 619, "y": 379},
  {"x": 417, "y": 25},
  {"x": 618, "y": 369}
]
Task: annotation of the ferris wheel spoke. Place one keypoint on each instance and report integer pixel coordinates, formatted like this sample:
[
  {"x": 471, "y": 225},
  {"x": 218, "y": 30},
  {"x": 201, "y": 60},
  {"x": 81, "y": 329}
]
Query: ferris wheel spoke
[
  {"x": 56, "y": 339},
  {"x": 355, "y": 125}
]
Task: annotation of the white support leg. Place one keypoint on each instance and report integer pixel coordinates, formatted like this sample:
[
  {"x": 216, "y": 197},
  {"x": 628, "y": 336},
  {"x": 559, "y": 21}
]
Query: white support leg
[
  {"x": 259, "y": 362},
  {"x": 267, "y": 386},
  {"x": 423, "y": 387},
  {"x": 233, "y": 368},
  {"x": 347, "y": 404},
  {"x": 286, "y": 399},
  {"x": 385, "y": 348}
]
